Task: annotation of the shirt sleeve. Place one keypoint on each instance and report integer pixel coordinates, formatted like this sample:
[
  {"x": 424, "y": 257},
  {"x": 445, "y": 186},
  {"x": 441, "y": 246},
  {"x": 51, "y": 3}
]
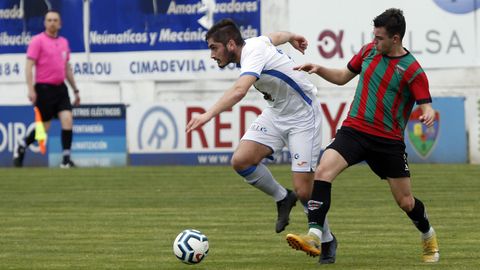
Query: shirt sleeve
[
  {"x": 420, "y": 89},
  {"x": 68, "y": 50},
  {"x": 33, "y": 50},
  {"x": 253, "y": 57},
  {"x": 355, "y": 64}
]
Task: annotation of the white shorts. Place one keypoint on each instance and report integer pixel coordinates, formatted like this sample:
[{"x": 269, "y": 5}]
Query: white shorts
[{"x": 300, "y": 133}]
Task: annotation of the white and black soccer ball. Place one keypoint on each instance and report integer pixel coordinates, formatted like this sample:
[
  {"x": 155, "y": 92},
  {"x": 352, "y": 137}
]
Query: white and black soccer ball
[{"x": 190, "y": 246}]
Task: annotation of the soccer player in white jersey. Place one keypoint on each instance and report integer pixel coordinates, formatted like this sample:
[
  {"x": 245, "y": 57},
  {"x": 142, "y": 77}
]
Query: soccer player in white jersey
[{"x": 291, "y": 119}]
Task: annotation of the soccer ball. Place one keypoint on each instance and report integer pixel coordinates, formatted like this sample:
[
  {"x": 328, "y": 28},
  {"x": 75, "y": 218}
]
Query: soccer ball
[{"x": 190, "y": 246}]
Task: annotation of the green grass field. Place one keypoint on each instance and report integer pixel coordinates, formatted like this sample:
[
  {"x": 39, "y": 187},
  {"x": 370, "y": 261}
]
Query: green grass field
[{"x": 127, "y": 218}]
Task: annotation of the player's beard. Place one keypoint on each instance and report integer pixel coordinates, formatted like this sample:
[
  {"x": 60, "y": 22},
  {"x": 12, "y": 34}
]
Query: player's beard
[{"x": 231, "y": 58}]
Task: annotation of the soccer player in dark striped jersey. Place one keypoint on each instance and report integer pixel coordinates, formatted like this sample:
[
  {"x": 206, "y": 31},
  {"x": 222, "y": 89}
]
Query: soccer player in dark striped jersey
[{"x": 391, "y": 81}]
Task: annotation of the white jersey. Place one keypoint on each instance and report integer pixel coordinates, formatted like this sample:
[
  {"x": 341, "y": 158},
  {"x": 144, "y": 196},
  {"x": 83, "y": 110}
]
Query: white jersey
[
  {"x": 293, "y": 116},
  {"x": 287, "y": 91}
]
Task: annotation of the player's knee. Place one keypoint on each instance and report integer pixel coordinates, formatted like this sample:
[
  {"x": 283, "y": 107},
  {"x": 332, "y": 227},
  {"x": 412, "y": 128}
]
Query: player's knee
[
  {"x": 303, "y": 194},
  {"x": 324, "y": 173},
  {"x": 406, "y": 204},
  {"x": 67, "y": 123},
  {"x": 238, "y": 163}
]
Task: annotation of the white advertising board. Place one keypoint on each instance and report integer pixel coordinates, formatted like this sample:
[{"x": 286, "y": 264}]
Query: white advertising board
[
  {"x": 440, "y": 34},
  {"x": 122, "y": 66},
  {"x": 160, "y": 128}
]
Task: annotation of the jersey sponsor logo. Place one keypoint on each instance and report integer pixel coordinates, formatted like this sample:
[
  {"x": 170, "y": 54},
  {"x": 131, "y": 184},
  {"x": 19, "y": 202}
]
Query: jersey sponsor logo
[
  {"x": 422, "y": 138},
  {"x": 300, "y": 163},
  {"x": 458, "y": 7},
  {"x": 257, "y": 127},
  {"x": 158, "y": 130},
  {"x": 400, "y": 70}
]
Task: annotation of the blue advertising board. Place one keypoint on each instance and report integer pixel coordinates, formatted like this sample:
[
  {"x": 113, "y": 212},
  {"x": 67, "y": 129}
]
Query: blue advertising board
[
  {"x": 446, "y": 141},
  {"x": 119, "y": 40},
  {"x": 99, "y": 137},
  {"x": 198, "y": 158},
  {"x": 164, "y": 25},
  {"x": 15, "y": 123},
  {"x": 124, "y": 25},
  {"x": 20, "y": 20}
]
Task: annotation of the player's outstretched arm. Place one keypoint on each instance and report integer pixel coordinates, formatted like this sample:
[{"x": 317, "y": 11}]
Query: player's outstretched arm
[
  {"x": 236, "y": 93},
  {"x": 333, "y": 75},
  {"x": 299, "y": 42}
]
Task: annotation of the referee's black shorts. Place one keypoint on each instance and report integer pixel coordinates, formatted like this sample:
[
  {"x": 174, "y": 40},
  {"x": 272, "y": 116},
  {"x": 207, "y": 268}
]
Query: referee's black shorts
[
  {"x": 52, "y": 99},
  {"x": 386, "y": 157}
]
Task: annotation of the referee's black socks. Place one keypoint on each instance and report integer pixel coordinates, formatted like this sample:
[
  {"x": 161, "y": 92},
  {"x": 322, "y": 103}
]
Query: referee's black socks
[
  {"x": 67, "y": 136},
  {"x": 30, "y": 138}
]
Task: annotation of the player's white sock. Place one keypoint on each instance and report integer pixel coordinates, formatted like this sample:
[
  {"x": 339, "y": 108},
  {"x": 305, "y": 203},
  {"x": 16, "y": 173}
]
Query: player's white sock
[
  {"x": 428, "y": 234},
  {"x": 326, "y": 233},
  {"x": 316, "y": 232},
  {"x": 260, "y": 177}
]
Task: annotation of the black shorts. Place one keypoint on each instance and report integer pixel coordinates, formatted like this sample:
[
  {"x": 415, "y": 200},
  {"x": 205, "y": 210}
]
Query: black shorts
[
  {"x": 386, "y": 157},
  {"x": 52, "y": 99}
]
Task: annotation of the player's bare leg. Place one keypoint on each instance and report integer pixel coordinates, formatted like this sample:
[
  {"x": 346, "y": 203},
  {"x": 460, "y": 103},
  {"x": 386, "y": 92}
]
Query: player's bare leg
[
  {"x": 246, "y": 161},
  {"x": 414, "y": 208},
  {"x": 303, "y": 184},
  {"x": 331, "y": 164}
]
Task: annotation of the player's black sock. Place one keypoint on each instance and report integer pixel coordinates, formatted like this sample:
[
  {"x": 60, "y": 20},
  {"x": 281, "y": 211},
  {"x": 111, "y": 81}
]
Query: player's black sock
[
  {"x": 419, "y": 217},
  {"x": 66, "y": 144},
  {"x": 30, "y": 138},
  {"x": 319, "y": 203}
]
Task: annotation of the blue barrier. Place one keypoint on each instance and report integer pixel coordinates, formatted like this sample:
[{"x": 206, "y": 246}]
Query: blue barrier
[{"x": 446, "y": 142}]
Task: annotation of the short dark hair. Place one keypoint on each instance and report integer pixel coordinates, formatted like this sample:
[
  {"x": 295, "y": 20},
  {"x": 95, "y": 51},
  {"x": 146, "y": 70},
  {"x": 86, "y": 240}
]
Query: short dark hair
[
  {"x": 223, "y": 31},
  {"x": 53, "y": 11},
  {"x": 393, "y": 21}
]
